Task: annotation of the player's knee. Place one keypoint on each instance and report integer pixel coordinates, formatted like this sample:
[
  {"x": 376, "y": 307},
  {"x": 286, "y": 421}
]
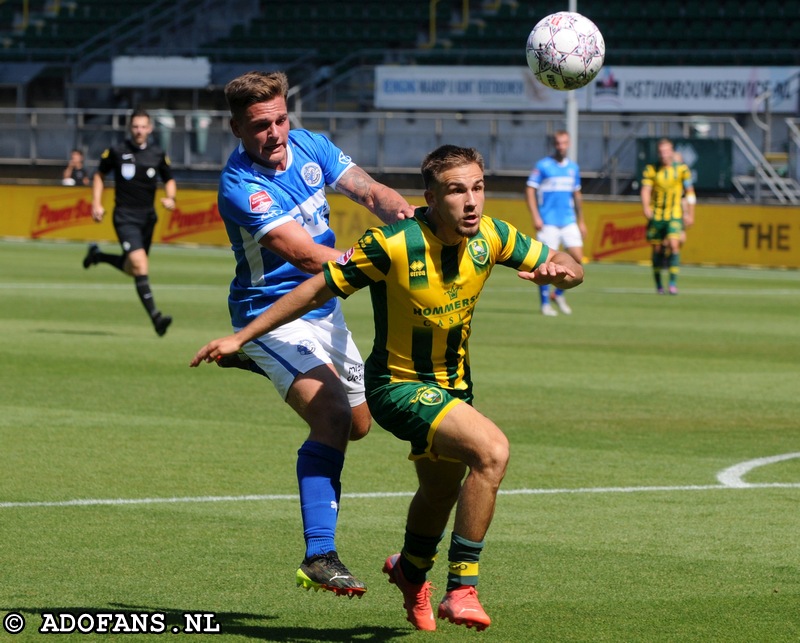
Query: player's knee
[
  {"x": 331, "y": 426},
  {"x": 359, "y": 429},
  {"x": 361, "y": 421},
  {"x": 494, "y": 458}
]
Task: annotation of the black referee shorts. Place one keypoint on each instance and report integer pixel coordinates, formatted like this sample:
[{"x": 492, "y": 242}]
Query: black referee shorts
[{"x": 135, "y": 232}]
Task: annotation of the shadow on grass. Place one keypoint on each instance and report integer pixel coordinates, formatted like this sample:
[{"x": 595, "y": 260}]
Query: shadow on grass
[
  {"x": 142, "y": 620},
  {"x": 87, "y": 333}
]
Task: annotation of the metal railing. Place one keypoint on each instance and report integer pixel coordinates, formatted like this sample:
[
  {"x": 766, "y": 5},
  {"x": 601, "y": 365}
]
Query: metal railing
[{"x": 385, "y": 142}]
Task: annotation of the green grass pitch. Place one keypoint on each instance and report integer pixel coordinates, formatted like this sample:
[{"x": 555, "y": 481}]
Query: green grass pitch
[{"x": 130, "y": 483}]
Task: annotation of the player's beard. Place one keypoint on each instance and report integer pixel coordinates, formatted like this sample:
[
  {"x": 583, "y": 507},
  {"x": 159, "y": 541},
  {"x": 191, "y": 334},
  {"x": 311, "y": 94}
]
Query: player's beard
[{"x": 469, "y": 229}]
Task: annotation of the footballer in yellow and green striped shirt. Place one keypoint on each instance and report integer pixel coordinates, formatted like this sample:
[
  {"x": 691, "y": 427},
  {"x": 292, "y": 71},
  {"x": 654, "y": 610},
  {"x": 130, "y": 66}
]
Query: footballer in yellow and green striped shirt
[
  {"x": 664, "y": 188},
  {"x": 425, "y": 276},
  {"x": 424, "y": 292}
]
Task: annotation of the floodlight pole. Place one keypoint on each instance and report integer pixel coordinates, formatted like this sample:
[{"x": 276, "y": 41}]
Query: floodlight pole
[{"x": 571, "y": 112}]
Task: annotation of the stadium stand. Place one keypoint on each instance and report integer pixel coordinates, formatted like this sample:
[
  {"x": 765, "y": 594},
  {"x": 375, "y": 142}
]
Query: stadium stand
[
  {"x": 58, "y": 54},
  {"x": 726, "y": 32}
]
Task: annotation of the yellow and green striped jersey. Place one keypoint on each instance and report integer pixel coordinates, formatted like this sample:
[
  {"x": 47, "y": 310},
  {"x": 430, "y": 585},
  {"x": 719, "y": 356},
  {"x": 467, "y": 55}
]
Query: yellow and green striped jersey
[
  {"x": 669, "y": 182},
  {"x": 424, "y": 292}
]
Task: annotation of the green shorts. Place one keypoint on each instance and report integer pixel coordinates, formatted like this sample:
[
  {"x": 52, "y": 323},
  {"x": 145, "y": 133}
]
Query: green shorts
[
  {"x": 412, "y": 411},
  {"x": 657, "y": 231}
]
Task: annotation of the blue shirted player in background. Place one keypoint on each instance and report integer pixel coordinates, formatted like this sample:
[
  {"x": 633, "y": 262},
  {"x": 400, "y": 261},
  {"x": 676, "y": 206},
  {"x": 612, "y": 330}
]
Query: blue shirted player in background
[
  {"x": 553, "y": 194},
  {"x": 272, "y": 200}
]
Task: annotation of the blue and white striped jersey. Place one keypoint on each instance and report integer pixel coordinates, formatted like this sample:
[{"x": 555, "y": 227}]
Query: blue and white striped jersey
[
  {"x": 254, "y": 199},
  {"x": 555, "y": 184}
]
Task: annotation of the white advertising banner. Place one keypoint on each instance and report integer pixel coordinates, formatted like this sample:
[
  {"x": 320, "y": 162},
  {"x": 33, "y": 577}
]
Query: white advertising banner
[
  {"x": 666, "y": 90},
  {"x": 160, "y": 71},
  {"x": 464, "y": 88},
  {"x": 671, "y": 90}
]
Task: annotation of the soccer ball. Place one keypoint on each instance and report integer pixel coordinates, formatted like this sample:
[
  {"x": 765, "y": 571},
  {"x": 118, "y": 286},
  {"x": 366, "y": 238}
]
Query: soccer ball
[{"x": 565, "y": 51}]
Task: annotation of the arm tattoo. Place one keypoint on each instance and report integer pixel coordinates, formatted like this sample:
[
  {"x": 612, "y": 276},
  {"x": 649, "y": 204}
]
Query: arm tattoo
[{"x": 356, "y": 185}]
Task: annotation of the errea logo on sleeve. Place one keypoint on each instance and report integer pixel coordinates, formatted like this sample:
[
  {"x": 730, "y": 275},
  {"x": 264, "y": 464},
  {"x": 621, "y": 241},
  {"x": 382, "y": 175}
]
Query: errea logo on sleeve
[{"x": 260, "y": 201}]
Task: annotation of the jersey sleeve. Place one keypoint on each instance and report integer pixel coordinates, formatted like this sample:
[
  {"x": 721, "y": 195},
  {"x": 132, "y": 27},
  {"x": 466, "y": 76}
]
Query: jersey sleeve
[
  {"x": 649, "y": 175},
  {"x": 333, "y": 161},
  {"x": 535, "y": 177},
  {"x": 164, "y": 168},
  {"x": 686, "y": 177},
  {"x": 366, "y": 263},
  {"x": 106, "y": 165},
  {"x": 254, "y": 208},
  {"x": 515, "y": 249}
]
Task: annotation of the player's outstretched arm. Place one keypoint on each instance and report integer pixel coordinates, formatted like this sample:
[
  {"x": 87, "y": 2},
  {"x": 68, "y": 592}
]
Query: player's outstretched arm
[
  {"x": 307, "y": 296},
  {"x": 384, "y": 202},
  {"x": 560, "y": 270}
]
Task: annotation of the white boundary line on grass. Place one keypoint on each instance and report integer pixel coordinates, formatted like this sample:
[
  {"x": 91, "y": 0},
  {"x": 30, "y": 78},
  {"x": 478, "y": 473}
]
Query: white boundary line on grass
[{"x": 730, "y": 478}]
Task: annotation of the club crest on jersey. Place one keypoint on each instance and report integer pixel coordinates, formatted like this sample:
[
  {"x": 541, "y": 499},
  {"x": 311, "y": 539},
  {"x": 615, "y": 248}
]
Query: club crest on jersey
[
  {"x": 312, "y": 174},
  {"x": 345, "y": 257},
  {"x": 479, "y": 251},
  {"x": 151, "y": 172},
  {"x": 428, "y": 396},
  {"x": 128, "y": 171},
  {"x": 260, "y": 201},
  {"x": 306, "y": 347}
]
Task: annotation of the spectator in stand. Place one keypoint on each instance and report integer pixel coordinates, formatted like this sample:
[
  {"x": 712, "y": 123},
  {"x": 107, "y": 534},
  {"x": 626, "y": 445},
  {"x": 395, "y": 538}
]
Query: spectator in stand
[{"x": 75, "y": 173}]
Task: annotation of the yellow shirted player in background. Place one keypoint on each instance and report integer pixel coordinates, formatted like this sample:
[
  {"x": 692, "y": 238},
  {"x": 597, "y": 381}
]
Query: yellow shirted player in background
[{"x": 663, "y": 188}]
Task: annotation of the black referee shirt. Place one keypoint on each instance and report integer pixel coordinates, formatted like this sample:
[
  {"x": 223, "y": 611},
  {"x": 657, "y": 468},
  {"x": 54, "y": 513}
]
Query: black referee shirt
[{"x": 136, "y": 172}]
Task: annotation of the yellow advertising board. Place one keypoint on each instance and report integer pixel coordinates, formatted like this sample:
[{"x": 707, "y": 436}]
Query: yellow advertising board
[{"x": 723, "y": 234}]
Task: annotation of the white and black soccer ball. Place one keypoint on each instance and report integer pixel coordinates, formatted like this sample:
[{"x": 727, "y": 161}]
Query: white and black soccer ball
[{"x": 565, "y": 51}]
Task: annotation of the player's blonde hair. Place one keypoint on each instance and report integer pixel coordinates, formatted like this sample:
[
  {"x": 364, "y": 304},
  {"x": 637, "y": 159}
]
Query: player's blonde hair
[
  {"x": 254, "y": 87},
  {"x": 445, "y": 157}
]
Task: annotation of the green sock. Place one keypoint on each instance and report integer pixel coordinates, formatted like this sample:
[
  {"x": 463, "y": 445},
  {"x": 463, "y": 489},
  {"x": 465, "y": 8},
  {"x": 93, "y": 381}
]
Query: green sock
[
  {"x": 674, "y": 268},
  {"x": 462, "y": 568},
  {"x": 418, "y": 555},
  {"x": 658, "y": 265}
]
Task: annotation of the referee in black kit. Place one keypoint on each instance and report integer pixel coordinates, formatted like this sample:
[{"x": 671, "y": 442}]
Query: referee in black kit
[{"x": 136, "y": 166}]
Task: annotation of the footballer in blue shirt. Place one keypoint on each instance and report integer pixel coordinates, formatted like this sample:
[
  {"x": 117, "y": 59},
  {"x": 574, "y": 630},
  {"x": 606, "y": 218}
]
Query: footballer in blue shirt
[
  {"x": 553, "y": 194},
  {"x": 272, "y": 200}
]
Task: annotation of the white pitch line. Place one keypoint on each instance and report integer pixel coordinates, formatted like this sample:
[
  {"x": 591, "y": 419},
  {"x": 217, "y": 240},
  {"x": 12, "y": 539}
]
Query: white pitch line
[
  {"x": 91, "y": 502},
  {"x": 732, "y": 476}
]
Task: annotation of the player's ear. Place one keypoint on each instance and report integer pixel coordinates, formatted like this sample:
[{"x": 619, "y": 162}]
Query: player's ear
[
  {"x": 235, "y": 127},
  {"x": 429, "y": 198}
]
